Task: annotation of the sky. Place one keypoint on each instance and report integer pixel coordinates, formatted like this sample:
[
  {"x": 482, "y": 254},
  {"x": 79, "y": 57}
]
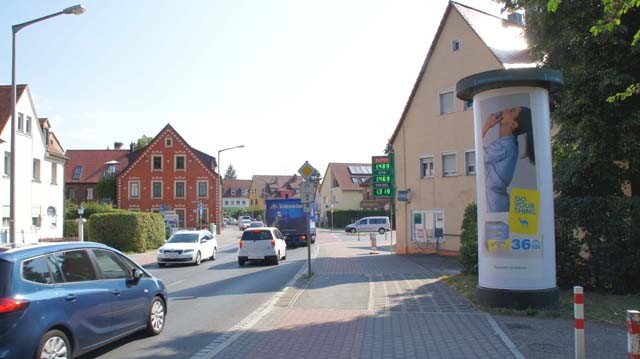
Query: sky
[{"x": 292, "y": 81}]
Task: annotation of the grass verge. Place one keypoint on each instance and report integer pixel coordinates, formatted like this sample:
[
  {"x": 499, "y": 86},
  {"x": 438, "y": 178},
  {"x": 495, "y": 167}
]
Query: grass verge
[{"x": 598, "y": 307}]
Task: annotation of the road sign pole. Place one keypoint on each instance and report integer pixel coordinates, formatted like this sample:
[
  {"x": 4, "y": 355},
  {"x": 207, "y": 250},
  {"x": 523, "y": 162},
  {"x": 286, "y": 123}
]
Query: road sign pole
[{"x": 307, "y": 213}]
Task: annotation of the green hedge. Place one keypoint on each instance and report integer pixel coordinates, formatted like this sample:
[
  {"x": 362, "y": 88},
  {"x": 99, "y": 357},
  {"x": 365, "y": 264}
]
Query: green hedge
[
  {"x": 597, "y": 243},
  {"x": 128, "y": 231}
]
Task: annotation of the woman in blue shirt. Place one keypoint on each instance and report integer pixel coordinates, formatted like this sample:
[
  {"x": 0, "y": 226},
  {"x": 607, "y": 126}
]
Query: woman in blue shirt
[{"x": 501, "y": 155}]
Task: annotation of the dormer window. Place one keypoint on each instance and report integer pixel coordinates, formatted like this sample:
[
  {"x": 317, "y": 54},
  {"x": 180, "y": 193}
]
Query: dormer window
[{"x": 111, "y": 169}]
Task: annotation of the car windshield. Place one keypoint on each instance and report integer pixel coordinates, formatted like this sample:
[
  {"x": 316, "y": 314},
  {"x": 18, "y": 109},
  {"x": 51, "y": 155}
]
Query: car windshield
[
  {"x": 184, "y": 238},
  {"x": 263, "y": 235},
  {"x": 256, "y": 224}
]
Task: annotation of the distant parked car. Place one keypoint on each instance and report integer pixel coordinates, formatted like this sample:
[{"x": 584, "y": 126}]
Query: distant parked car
[
  {"x": 256, "y": 224},
  {"x": 369, "y": 224},
  {"x": 62, "y": 300},
  {"x": 244, "y": 224},
  {"x": 188, "y": 247},
  {"x": 266, "y": 244}
]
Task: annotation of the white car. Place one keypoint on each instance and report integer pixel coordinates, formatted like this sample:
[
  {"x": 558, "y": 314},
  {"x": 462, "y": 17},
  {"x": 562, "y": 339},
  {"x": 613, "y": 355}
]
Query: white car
[
  {"x": 264, "y": 243},
  {"x": 244, "y": 224},
  {"x": 188, "y": 247}
]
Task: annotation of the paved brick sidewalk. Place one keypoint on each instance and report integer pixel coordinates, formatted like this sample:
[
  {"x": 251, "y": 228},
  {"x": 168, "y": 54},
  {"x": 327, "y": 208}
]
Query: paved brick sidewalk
[{"x": 362, "y": 305}]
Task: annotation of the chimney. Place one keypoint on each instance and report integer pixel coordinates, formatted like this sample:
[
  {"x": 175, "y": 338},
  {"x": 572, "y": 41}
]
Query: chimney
[
  {"x": 132, "y": 146},
  {"x": 117, "y": 145},
  {"x": 516, "y": 18}
]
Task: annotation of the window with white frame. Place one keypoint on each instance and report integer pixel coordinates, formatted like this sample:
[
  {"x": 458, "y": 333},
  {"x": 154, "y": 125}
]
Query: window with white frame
[
  {"x": 470, "y": 163},
  {"x": 134, "y": 189},
  {"x": 156, "y": 162},
  {"x": 156, "y": 189},
  {"x": 36, "y": 169},
  {"x": 181, "y": 214},
  {"x": 28, "y": 125},
  {"x": 36, "y": 218},
  {"x": 180, "y": 189},
  {"x": 168, "y": 142},
  {"x": 426, "y": 167},
  {"x": 180, "y": 161},
  {"x": 446, "y": 102},
  {"x": 7, "y": 163},
  {"x": 90, "y": 194},
  {"x": 448, "y": 164},
  {"x": 54, "y": 173},
  {"x": 202, "y": 189},
  {"x": 20, "y": 122}
]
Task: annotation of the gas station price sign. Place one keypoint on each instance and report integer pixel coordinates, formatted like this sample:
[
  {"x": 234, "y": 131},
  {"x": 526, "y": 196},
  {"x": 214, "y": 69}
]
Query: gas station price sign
[{"x": 382, "y": 176}]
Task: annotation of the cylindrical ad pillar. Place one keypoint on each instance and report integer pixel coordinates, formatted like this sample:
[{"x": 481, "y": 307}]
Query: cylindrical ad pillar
[{"x": 516, "y": 241}]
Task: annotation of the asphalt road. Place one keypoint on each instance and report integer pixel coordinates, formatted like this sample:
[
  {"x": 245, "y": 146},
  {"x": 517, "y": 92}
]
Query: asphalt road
[{"x": 206, "y": 301}]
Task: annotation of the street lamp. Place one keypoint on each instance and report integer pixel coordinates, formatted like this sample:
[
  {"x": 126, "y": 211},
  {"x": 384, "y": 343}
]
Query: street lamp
[
  {"x": 220, "y": 186},
  {"x": 81, "y": 224},
  {"x": 75, "y": 10}
]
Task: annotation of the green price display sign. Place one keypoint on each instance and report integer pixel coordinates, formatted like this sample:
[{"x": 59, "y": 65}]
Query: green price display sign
[{"x": 381, "y": 176}]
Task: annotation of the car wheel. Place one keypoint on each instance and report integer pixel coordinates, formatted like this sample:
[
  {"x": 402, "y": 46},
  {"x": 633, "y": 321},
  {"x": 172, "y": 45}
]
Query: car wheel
[
  {"x": 214, "y": 255},
  {"x": 285, "y": 255},
  {"x": 276, "y": 259},
  {"x": 54, "y": 344},
  {"x": 155, "y": 322},
  {"x": 381, "y": 230},
  {"x": 162, "y": 264},
  {"x": 352, "y": 230},
  {"x": 241, "y": 262},
  {"x": 198, "y": 259}
]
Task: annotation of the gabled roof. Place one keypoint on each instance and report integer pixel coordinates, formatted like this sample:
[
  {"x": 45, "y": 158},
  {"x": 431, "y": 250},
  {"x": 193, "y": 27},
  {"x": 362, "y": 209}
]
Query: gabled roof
[
  {"x": 237, "y": 184},
  {"x": 505, "y": 40},
  {"x": 273, "y": 183},
  {"x": 5, "y": 102},
  {"x": 343, "y": 175},
  {"x": 94, "y": 164},
  {"x": 209, "y": 162}
]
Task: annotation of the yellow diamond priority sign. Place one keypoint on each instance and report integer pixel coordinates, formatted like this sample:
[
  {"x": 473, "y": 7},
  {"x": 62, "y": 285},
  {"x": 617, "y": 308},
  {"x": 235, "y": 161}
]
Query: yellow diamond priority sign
[{"x": 307, "y": 170}]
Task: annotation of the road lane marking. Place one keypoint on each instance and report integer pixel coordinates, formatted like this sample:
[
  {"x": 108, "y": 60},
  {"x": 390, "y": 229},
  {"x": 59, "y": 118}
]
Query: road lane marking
[{"x": 180, "y": 281}]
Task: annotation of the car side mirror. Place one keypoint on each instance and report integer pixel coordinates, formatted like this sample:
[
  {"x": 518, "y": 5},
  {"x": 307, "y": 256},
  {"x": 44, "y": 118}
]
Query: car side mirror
[{"x": 136, "y": 274}]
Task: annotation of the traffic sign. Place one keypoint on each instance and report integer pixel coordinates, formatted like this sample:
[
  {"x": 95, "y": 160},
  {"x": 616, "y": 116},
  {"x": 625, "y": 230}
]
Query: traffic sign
[
  {"x": 306, "y": 192},
  {"x": 307, "y": 170}
]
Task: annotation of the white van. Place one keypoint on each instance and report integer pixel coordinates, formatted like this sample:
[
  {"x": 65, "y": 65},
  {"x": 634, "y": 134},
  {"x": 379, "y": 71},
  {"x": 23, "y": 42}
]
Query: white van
[{"x": 370, "y": 224}]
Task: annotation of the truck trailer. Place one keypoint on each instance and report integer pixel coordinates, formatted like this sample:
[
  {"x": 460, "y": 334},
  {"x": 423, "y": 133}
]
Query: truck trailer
[{"x": 287, "y": 214}]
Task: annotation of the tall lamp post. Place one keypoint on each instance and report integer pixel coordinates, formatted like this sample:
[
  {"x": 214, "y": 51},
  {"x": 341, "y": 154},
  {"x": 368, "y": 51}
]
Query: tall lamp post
[
  {"x": 75, "y": 10},
  {"x": 220, "y": 184}
]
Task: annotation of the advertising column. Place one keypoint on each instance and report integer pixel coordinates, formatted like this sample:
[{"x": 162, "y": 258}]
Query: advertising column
[{"x": 516, "y": 240}]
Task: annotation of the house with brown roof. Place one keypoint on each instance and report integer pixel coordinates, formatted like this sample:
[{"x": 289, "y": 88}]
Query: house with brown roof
[
  {"x": 86, "y": 168},
  {"x": 346, "y": 186},
  {"x": 170, "y": 176},
  {"x": 39, "y": 172},
  {"x": 433, "y": 141},
  {"x": 235, "y": 194},
  {"x": 273, "y": 186}
]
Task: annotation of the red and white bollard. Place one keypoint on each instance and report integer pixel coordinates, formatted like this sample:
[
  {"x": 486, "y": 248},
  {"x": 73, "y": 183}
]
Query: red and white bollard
[
  {"x": 633, "y": 334},
  {"x": 578, "y": 313}
]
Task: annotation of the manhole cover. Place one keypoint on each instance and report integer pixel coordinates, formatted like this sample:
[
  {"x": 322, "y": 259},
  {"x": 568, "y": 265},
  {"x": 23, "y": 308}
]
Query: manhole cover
[
  {"x": 518, "y": 326},
  {"x": 546, "y": 348}
]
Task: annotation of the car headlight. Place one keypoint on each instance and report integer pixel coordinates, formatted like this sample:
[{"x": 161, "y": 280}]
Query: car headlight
[
  {"x": 160, "y": 250},
  {"x": 188, "y": 251}
]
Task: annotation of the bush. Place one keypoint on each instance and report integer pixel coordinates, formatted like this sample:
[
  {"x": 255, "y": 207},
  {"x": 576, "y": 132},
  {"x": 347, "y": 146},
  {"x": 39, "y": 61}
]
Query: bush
[
  {"x": 469, "y": 240},
  {"x": 128, "y": 231},
  {"x": 91, "y": 207},
  {"x": 598, "y": 243}
]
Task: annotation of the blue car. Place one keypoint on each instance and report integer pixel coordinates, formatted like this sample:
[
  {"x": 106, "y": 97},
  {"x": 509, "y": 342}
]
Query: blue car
[{"x": 65, "y": 299}]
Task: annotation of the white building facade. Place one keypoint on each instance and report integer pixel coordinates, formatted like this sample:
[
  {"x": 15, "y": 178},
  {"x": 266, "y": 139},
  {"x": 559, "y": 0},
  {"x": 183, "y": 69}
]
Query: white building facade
[{"x": 39, "y": 166}]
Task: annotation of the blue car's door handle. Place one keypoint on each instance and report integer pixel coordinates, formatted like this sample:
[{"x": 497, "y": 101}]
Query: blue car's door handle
[
  {"x": 71, "y": 298},
  {"x": 116, "y": 292}
]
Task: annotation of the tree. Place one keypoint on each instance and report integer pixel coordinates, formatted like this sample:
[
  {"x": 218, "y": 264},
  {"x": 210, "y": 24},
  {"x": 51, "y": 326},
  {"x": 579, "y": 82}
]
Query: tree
[
  {"x": 143, "y": 141},
  {"x": 106, "y": 187},
  {"x": 231, "y": 173},
  {"x": 597, "y": 148}
]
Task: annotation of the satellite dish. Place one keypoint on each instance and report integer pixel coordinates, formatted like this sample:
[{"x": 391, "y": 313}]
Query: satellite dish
[{"x": 51, "y": 211}]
